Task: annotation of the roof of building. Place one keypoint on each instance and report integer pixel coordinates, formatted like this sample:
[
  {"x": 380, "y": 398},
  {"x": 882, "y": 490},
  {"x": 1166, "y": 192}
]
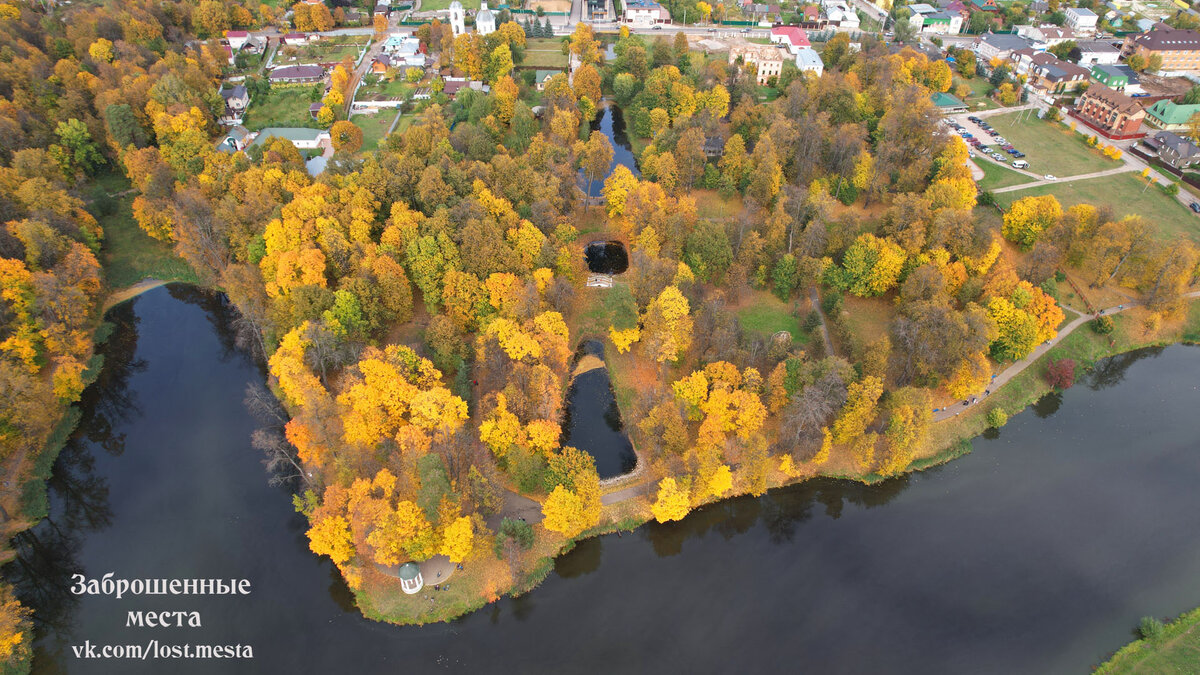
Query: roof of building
[
  {"x": 236, "y": 91},
  {"x": 1113, "y": 98},
  {"x": 239, "y": 132},
  {"x": 409, "y": 571},
  {"x": 540, "y": 75},
  {"x": 296, "y": 73},
  {"x": 1096, "y": 47},
  {"x": 292, "y": 134},
  {"x": 809, "y": 58},
  {"x": 237, "y": 33},
  {"x": 756, "y": 52},
  {"x": 943, "y": 100},
  {"x": 295, "y": 36},
  {"x": 642, "y": 4},
  {"x": 1080, "y": 11},
  {"x": 1003, "y": 41},
  {"x": 1108, "y": 71},
  {"x": 1163, "y": 38},
  {"x": 921, "y": 8},
  {"x": 794, "y": 34},
  {"x": 1056, "y": 33},
  {"x": 1173, "y": 113},
  {"x": 1180, "y": 145}
]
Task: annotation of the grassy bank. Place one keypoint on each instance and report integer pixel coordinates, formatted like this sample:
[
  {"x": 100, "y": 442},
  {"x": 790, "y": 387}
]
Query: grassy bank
[
  {"x": 130, "y": 255},
  {"x": 1174, "y": 648}
]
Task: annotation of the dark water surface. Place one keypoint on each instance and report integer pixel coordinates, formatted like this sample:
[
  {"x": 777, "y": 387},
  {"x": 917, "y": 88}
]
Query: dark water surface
[
  {"x": 593, "y": 421},
  {"x": 1037, "y": 553},
  {"x": 611, "y": 122},
  {"x": 606, "y": 257}
]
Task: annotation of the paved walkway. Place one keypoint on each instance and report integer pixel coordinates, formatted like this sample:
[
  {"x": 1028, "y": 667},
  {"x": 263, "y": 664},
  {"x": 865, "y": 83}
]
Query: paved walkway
[
  {"x": 628, "y": 493},
  {"x": 1126, "y": 168},
  {"x": 1018, "y": 367}
]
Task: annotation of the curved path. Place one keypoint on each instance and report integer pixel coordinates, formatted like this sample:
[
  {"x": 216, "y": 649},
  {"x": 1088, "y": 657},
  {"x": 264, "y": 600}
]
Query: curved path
[{"x": 1016, "y": 368}]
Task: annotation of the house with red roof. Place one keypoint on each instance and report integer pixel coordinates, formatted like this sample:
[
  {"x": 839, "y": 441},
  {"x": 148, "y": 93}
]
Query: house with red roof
[
  {"x": 237, "y": 38},
  {"x": 792, "y": 37}
]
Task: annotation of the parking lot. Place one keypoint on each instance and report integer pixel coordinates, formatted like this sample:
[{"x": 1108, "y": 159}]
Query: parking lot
[{"x": 985, "y": 141}]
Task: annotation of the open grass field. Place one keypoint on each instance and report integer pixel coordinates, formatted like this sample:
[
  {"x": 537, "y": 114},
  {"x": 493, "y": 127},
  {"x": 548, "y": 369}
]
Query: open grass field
[
  {"x": 436, "y": 5},
  {"x": 1124, "y": 193},
  {"x": 328, "y": 50},
  {"x": 995, "y": 176},
  {"x": 374, "y": 127},
  {"x": 1051, "y": 147},
  {"x": 766, "y": 315},
  {"x": 281, "y": 108},
  {"x": 130, "y": 255},
  {"x": 1176, "y": 650}
]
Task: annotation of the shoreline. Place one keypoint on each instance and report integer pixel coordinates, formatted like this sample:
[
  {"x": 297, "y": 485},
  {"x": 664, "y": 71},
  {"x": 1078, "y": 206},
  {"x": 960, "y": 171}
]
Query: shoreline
[{"x": 954, "y": 441}]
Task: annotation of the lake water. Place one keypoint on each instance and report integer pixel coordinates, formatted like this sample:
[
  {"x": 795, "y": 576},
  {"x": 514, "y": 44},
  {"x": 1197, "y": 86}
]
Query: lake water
[
  {"x": 611, "y": 123},
  {"x": 1037, "y": 553}
]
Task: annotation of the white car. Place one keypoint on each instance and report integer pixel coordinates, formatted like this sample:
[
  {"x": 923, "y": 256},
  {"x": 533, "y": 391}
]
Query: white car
[{"x": 1049, "y": 177}]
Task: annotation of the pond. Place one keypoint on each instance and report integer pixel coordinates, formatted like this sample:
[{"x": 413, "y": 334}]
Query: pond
[
  {"x": 1037, "y": 553},
  {"x": 592, "y": 422},
  {"x": 606, "y": 257},
  {"x": 611, "y": 122}
]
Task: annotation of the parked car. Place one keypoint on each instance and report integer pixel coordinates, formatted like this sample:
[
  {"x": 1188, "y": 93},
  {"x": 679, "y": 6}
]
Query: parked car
[
  {"x": 1018, "y": 154},
  {"x": 970, "y": 154},
  {"x": 1049, "y": 177},
  {"x": 1020, "y": 164},
  {"x": 1194, "y": 207}
]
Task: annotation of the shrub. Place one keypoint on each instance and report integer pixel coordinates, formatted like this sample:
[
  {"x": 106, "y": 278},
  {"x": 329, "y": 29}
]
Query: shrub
[
  {"x": 1150, "y": 628},
  {"x": 832, "y": 304},
  {"x": 1061, "y": 374},
  {"x": 811, "y": 321},
  {"x": 1102, "y": 325},
  {"x": 997, "y": 418},
  {"x": 517, "y": 530}
]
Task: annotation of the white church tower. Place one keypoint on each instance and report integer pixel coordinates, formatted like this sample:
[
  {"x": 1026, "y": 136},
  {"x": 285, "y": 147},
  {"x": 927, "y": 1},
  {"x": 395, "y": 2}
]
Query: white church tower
[
  {"x": 457, "y": 18},
  {"x": 485, "y": 21}
]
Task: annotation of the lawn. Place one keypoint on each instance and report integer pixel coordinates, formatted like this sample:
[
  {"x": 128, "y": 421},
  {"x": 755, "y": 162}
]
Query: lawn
[
  {"x": 544, "y": 53},
  {"x": 130, "y": 255},
  {"x": 328, "y": 50},
  {"x": 995, "y": 176},
  {"x": 386, "y": 91},
  {"x": 434, "y": 5},
  {"x": 766, "y": 315},
  {"x": 1125, "y": 193},
  {"x": 1051, "y": 147},
  {"x": 374, "y": 127},
  {"x": 979, "y": 93},
  {"x": 283, "y": 107}
]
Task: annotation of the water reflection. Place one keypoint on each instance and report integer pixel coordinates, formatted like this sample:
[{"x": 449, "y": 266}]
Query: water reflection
[
  {"x": 611, "y": 123},
  {"x": 1111, "y": 371},
  {"x": 592, "y": 421}
]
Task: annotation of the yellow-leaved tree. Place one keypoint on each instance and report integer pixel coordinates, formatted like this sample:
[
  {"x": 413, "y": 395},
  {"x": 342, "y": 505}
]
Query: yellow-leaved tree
[
  {"x": 673, "y": 502},
  {"x": 457, "y": 539}
]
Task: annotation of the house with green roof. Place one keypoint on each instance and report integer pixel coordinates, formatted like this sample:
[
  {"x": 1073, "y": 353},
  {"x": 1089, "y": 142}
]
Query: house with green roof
[
  {"x": 1110, "y": 76},
  {"x": 947, "y": 103},
  {"x": 1171, "y": 116}
]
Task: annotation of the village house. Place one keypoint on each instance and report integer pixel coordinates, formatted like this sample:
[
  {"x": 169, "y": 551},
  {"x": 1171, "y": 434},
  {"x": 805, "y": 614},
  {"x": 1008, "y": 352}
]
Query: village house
[
  {"x": 296, "y": 74},
  {"x": 301, "y": 137},
  {"x": 237, "y": 138},
  {"x": 1173, "y": 149},
  {"x": 1110, "y": 112},
  {"x": 929, "y": 19},
  {"x": 1179, "y": 49},
  {"x": 839, "y": 13},
  {"x": 793, "y": 38},
  {"x": 809, "y": 61},
  {"x": 237, "y": 99},
  {"x": 644, "y": 13},
  {"x": 1047, "y": 71},
  {"x": 237, "y": 38},
  {"x": 767, "y": 59},
  {"x": 1047, "y": 36},
  {"x": 542, "y": 77},
  {"x": 1171, "y": 116},
  {"x": 295, "y": 39},
  {"x": 1119, "y": 77}
]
